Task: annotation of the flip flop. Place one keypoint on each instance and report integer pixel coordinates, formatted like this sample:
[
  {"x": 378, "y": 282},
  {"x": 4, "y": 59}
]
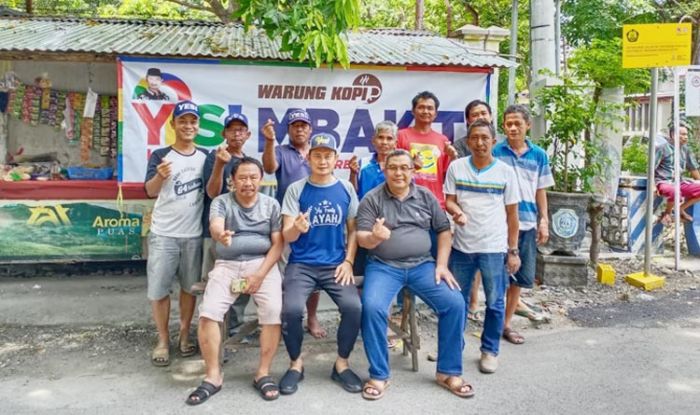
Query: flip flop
[
  {"x": 371, "y": 385},
  {"x": 186, "y": 348},
  {"x": 513, "y": 336},
  {"x": 160, "y": 356},
  {"x": 203, "y": 392},
  {"x": 267, "y": 384},
  {"x": 457, "y": 390},
  {"x": 477, "y": 316}
]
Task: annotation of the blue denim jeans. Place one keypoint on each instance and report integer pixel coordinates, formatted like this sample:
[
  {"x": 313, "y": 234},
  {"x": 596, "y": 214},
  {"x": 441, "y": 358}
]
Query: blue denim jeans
[
  {"x": 495, "y": 282},
  {"x": 382, "y": 283}
]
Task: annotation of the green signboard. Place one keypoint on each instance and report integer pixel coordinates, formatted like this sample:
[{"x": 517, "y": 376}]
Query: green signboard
[{"x": 70, "y": 230}]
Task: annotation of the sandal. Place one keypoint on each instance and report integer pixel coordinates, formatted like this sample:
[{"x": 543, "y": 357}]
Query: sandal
[
  {"x": 160, "y": 356},
  {"x": 457, "y": 389},
  {"x": 290, "y": 381},
  {"x": 513, "y": 336},
  {"x": 267, "y": 384},
  {"x": 203, "y": 392},
  {"x": 371, "y": 385},
  {"x": 477, "y": 316},
  {"x": 186, "y": 347}
]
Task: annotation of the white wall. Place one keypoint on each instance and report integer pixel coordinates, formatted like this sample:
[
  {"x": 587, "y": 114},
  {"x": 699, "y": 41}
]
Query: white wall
[{"x": 66, "y": 76}]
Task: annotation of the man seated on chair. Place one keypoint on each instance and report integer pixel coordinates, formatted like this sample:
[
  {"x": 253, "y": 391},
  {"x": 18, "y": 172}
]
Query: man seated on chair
[
  {"x": 319, "y": 223},
  {"x": 246, "y": 226},
  {"x": 394, "y": 223},
  {"x": 663, "y": 174}
]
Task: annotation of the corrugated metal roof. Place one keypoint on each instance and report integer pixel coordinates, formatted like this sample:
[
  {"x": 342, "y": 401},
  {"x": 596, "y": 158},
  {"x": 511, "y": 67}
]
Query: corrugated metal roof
[{"x": 223, "y": 41}]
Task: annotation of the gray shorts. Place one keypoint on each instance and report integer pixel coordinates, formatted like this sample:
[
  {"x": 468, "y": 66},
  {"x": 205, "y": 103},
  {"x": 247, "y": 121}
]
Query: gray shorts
[
  {"x": 170, "y": 257},
  {"x": 208, "y": 257}
]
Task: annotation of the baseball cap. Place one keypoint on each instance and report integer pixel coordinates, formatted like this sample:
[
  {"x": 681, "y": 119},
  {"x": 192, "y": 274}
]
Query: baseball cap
[
  {"x": 153, "y": 72},
  {"x": 323, "y": 140},
  {"x": 235, "y": 117},
  {"x": 185, "y": 107},
  {"x": 298, "y": 115}
]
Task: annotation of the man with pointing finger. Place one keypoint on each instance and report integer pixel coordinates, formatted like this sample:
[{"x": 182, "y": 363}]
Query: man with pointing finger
[
  {"x": 319, "y": 224},
  {"x": 394, "y": 222},
  {"x": 174, "y": 176}
]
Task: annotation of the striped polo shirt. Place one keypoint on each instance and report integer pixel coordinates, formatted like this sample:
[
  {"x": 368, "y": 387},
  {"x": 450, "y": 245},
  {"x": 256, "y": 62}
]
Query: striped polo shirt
[
  {"x": 482, "y": 194},
  {"x": 532, "y": 172}
]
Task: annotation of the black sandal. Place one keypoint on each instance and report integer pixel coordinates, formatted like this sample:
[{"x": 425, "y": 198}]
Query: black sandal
[
  {"x": 347, "y": 379},
  {"x": 290, "y": 381},
  {"x": 202, "y": 393},
  {"x": 267, "y": 384}
]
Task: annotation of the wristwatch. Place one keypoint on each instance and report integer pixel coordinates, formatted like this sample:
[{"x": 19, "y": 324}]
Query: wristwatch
[{"x": 513, "y": 251}]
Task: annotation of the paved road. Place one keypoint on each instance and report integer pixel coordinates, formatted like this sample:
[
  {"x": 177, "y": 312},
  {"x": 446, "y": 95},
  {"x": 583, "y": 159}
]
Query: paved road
[{"x": 80, "y": 346}]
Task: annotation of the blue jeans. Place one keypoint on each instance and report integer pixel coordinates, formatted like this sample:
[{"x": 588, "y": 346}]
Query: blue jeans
[
  {"x": 382, "y": 283},
  {"x": 495, "y": 282}
]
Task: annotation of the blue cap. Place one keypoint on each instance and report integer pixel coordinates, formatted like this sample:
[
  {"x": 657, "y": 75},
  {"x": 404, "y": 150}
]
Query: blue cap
[
  {"x": 235, "y": 117},
  {"x": 323, "y": 140},
  {"x": 298, "y": 115},
  {"x": 185, "y": 107}
]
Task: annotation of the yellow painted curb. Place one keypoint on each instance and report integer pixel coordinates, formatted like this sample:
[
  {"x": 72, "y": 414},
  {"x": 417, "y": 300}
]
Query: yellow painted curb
[
  {"x": 605, "y": 274},
  {"x": 647, "y": 282}
]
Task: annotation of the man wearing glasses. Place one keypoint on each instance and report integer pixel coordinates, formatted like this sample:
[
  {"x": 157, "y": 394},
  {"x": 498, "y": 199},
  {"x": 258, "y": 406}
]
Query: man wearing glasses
[{"x": 394, "y": 223}]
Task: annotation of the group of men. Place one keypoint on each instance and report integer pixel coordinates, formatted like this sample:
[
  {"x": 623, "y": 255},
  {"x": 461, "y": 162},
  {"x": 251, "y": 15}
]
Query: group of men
[{"x": 423, "y": 217}]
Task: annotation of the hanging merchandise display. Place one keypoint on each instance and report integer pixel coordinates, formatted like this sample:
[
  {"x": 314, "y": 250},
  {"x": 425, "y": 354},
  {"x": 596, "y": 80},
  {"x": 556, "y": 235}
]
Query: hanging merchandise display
[{"x": 41, "y": 104}]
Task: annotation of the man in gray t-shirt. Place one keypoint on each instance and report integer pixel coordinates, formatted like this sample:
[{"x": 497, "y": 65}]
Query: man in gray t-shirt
[
  {"x": 247, "y": 229},
  {"x": 393, "y": 222}
]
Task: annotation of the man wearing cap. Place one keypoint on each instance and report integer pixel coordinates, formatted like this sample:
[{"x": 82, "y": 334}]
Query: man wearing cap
[
  {"x": 289, "y": 163},
  {"x": 318, "y": 216},
  {"x": 217, "y": 178},
  {"x": 174, "y": 177},
  {"x": 154, "y": 79}
]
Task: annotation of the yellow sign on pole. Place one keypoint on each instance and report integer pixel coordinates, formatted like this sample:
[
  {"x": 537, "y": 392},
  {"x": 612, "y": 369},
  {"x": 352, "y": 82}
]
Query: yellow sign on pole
[{"x": 656, "y": 45}]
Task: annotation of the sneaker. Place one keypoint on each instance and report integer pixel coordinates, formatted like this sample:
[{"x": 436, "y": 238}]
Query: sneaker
[{"x": 488, "y": 363}]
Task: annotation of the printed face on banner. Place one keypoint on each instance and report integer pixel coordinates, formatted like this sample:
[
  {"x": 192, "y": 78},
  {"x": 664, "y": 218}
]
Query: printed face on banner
[{"x": 346, "y": 104}]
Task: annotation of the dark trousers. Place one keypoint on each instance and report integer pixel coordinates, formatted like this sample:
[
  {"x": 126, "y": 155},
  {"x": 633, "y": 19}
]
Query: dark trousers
[{"x": 299, "y": 282}]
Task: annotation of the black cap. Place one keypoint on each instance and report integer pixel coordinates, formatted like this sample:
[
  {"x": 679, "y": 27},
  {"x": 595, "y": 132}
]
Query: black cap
[{"x": 153, "y": 72}]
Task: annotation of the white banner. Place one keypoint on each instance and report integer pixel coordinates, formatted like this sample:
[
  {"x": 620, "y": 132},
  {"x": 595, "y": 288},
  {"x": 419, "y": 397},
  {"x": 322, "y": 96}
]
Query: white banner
[
  {"x": 692, "y": 93},
  {"x": 344, "y": 103}
]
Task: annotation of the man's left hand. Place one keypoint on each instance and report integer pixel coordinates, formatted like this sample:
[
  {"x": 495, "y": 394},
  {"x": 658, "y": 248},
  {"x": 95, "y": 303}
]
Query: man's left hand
[
  {"x": 444, "y": 274},
  {"x": 451, "y": 151},
  {"x": 542, "y": 233},
  {"x": 344, "y": 274},
  {"x": 254, "y": 283}
]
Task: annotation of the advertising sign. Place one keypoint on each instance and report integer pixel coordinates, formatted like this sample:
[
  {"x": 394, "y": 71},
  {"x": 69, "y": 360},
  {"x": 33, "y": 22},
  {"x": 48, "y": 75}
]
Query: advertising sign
[{"x": 344, "y": 103}]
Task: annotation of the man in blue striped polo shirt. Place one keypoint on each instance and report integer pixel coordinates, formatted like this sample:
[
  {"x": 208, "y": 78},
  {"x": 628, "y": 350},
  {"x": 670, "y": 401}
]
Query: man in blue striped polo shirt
[{"x": 534, "y": 176}]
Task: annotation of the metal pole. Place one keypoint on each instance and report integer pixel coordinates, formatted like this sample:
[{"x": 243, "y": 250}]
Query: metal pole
[
  {"x": 557, "y": 36},
  {"x": 513, "y": 51},
  {"x": 648, "y": 239},
  {"x": 676, "y": 168}
]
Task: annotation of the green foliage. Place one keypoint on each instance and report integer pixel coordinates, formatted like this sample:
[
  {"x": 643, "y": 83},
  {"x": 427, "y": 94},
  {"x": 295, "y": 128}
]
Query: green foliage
[
  {"x": 570, "y": 112},
  {"x": 146, "y": 9},
  {"x": 311, "y": 31},
  {"x": 634, "y": 156},
  {"x": 600, "y": 62},
  {"x": 586, "y": 20}
]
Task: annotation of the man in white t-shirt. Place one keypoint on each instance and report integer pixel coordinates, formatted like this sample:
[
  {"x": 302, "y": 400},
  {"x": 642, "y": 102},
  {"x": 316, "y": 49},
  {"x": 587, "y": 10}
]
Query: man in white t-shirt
[
  {"x": 174, "y": 176},
  {"x": 482, "y": 197}
]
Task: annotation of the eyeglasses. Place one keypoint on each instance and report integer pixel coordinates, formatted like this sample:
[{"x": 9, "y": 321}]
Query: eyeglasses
[{"x": 403, "y": 169}]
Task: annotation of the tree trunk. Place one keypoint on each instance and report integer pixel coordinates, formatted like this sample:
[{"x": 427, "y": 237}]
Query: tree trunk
[
  {"x": 420, "y": 12},
  {"x": 28, "y": 7},
  {"x": 448, "y": 17},
  {"x": 595, "y": 213}
]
